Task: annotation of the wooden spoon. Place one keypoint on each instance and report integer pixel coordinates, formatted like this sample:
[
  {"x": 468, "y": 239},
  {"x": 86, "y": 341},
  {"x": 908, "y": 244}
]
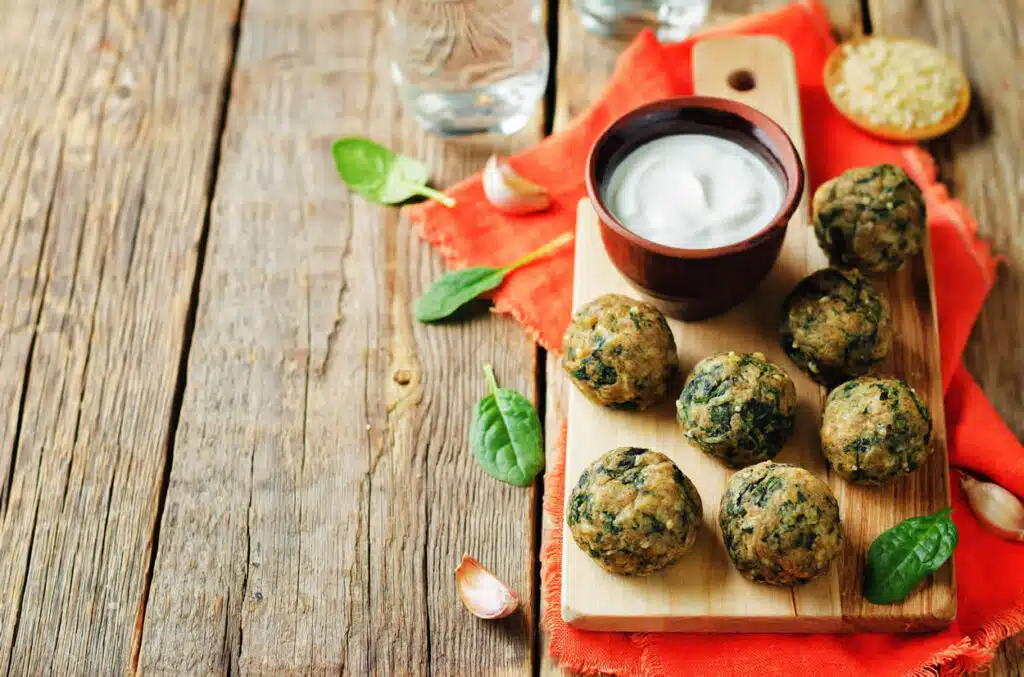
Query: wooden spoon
[{"x": 833, "y": 76}]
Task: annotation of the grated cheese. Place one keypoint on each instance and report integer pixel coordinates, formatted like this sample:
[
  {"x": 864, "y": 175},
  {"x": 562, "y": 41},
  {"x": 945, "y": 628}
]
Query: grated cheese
[{"x": 897, "y": 83}]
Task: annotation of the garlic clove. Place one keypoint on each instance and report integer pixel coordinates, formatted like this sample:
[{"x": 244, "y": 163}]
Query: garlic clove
[
  {"x": 482, "y": 592},
  {"x": 996, "y": 508},
  {"x": 509, "y": 192}
]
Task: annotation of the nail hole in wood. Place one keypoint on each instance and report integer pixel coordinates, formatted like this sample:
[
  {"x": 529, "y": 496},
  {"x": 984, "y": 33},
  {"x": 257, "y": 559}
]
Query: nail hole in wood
[{"x": 742, "y": 80}]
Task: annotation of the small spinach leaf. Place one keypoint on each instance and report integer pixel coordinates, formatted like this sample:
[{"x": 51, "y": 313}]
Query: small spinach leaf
[
  {"x": 505, "y": 435},
  {"x": 900, "y": 557},
  {"x": 455, "y": 290},
  {"x": 459, "y": 287},
  {"x": 381, "y": 175}
]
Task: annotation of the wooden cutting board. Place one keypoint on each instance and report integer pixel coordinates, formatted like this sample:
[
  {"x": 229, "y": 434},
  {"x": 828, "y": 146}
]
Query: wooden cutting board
[{"x": 703, "y": 592}]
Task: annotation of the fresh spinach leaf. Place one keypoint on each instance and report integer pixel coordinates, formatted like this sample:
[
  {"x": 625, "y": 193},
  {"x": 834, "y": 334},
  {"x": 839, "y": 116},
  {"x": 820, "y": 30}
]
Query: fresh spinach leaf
[
  {"x": 380, "y": 175},
  {"x": 505, "y": 435},
  {"x": 900, "y": 557},
  {"x": 459, "y": 287},
  {"x": 455, "y": 290}
]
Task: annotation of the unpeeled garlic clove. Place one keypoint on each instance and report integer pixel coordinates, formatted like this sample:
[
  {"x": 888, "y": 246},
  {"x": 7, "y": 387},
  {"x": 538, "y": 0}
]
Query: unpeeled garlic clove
[
  {"x": 997, "y": 509},
  {"x": 482, "y": 592},
  {"x": 511, "y": 193}
]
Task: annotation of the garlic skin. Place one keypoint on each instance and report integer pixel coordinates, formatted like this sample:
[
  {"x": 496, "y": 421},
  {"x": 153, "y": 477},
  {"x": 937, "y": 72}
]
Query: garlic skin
[
  {"x": 996, "y": 508},
  {"x": 482, "y": 592},
  {"x": 510, "y": 193}
]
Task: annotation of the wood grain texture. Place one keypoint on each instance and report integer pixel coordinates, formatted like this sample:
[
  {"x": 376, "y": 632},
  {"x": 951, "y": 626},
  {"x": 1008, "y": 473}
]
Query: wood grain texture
[
  {"x": 323, "y": 491},
  {"x": 556, "y": 411},
  {"x": 108, "y": 112},
  {"x": 1009, "y": 659},
  {"x": 102, "y": 202}
]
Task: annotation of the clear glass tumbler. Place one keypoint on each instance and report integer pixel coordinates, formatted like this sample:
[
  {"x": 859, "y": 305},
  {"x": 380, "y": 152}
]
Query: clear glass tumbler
[
  {"x": 469, "y": 66},
  {"x": 671, "y": 20}
]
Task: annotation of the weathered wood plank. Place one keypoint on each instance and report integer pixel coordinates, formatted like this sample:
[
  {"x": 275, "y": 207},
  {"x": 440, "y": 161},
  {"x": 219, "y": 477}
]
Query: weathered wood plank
[
  {"x": 980, "y": 162},
  {"x": 322, "y": 490},
  {"x": 556, "y": 411},
  {"x": 1009, "y": 660},
  {"x": 102, "y": 202}
]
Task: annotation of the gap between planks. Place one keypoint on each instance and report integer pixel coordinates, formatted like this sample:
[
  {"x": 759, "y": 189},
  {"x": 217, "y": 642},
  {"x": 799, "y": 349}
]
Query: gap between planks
[
  {"x": 96, "y": 213},
  {"x": 189, "y": 332}
]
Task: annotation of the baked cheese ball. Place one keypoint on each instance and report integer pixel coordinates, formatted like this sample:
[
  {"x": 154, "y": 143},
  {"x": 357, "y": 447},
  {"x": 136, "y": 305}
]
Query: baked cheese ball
[
  {"x": 836, "y": 325},
  {"x": 620, "y": 352},
  {"x": 780, "y": 524},
  {"x": 737, "y": 406},
  {"x": 634, "y": 511},
  {"x": 874, "y": 430},
  {"x": 870, "y": 218}
]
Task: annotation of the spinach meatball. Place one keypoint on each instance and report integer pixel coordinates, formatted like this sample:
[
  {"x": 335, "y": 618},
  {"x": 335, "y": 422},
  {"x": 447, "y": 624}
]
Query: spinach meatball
[
  {"x": 634, "y": 511},
  {"x": 871, "y": 218},
  {"x": 780, "y": 524},
  {"x": 836, "y": 325},
  {"x": 738, "y": 407},
  {"x": 875, "y": 429},
  {"x": 620, "y": 352}
]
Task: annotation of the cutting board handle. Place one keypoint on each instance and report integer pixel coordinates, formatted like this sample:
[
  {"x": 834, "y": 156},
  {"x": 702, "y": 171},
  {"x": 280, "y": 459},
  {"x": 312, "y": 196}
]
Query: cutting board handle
[{"x": 756, "y": 70}]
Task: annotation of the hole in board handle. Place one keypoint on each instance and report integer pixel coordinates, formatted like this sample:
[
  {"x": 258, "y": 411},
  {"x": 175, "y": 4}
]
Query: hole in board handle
[{"x": 742, "y": 80}]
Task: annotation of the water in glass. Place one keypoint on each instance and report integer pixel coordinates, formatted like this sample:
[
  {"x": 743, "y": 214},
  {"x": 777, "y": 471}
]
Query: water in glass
[
  {"x": 672, "y": 20},
  {"x": 469, "y": 66}
]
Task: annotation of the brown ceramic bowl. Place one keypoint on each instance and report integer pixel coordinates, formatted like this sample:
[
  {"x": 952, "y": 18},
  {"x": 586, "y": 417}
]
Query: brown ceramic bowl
[{"x": 693, "y": 284}]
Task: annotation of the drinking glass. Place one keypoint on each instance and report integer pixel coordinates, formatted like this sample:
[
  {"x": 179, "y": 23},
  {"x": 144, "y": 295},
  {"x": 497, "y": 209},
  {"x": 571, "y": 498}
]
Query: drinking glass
[
  {"x": 671, "y": 20},
  {"x": 469, "y": 66}
]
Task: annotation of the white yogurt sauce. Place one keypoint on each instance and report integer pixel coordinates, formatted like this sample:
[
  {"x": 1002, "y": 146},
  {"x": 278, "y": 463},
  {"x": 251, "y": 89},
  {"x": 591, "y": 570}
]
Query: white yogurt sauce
[{"x": 693, "y": 191}]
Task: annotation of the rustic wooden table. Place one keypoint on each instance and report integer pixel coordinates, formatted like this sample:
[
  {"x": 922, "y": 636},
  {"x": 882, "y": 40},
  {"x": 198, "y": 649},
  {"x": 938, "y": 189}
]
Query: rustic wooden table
[{"x": 225, "y": 446}]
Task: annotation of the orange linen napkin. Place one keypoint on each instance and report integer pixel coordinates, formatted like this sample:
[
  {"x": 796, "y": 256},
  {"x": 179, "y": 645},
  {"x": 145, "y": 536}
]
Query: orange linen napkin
[{"x": 990, "y": 571}]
